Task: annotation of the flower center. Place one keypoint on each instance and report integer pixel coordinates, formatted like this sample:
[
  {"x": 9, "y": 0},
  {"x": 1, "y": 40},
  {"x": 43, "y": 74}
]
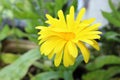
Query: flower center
[{"x": 67, "y": 35}]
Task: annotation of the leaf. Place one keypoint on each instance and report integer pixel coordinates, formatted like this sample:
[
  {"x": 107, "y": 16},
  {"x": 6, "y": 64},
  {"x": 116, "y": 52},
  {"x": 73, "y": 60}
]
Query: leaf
[
  {"x": 112, "y": 71},
  {"x": 8, "y": 58},
  {"x": 30, "y": 28},
  {"x": 96, "y": 75},
  {"x": 102, "y": 74},
  {"x": 59, "y": 5},
  {"x": 19, "y": 33},
  {"x": 20, "y": 67},
  {"x": 6, "y": 4},
  {"x": 50, "y": 8},
  {"x": 115, "y": 12},
  {"x": 111, "y": 18},
  {"x": 101, "y": 61},
  {"x": 4, "y": 32},
  {"x": 47, "y": 76},
  {"x": 74, "y": 3},
  {"x": 71, "y": 3},
  {"x": 33, "y": 38},
  {"x": 112, "y": 36}
]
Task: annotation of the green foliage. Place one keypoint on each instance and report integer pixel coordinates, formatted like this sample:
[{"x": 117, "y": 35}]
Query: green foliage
[
  {"x": 19, "y": 68},
  {"x": 33, "y": 13},
  {"x": 102, "y": 74},
  {"x": 112, "y": 36},
  {"x": 5, "y": 32},
  {"x": 8, "y": 58},
  {"x": 59, "y": 5},
  {"x": 47, "y": 76},
  {"x": 97, "y": 71},
  {"x": 18, "y": 33},
  {"x": 102, "y": 61},
  {"x": 115, "y": 12},
  {"x": 113, "y": 17},
  {"x": 106, "y": 67}
]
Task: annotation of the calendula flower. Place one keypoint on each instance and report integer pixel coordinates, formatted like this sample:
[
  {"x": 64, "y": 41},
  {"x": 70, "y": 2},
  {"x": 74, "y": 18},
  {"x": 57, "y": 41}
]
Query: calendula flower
[{"x": 64, "y": 36}]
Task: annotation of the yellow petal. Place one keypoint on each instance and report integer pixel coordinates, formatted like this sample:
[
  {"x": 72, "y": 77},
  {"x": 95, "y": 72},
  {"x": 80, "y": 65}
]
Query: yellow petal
[
  {"x": 49, "y": 17},
  {"x": 86, "y": 41},
  {"x": 59, "y": 28},
  {"x": 72, "y": 48},
  {"x": 84, "y": 24},
  {"x": 49, "y": 45},
  {"x": 52, "y": 21},
  {"x": 41, "y": 41},
  {"x": 61, "y": 15},
  {"x": 93, "y": 27},
  {"x": 85, "y": 37},
  {"x": 92, "y": 32},
  {"x": 47, "y": 33},
  {"x": 80, "y": 15},
  {"x": 62, "y": 19},
  {"x": 59, "y": 50},
  {"x": 87, "y": 22},
  {"x": 58, "y": 58},
  {"x": 95, "y": 45},
  {"x": 93, "y": 37},
  {"x": 50, "y": 56},
  {"x": 67, "y": 58},
  {"x": 72, "y": 12},
  {"x": 70, "y": 18},
  {"x": 84, "y": 51},
  {"x": 60, "y": 45},
  {"x": 86, "y": 34}
]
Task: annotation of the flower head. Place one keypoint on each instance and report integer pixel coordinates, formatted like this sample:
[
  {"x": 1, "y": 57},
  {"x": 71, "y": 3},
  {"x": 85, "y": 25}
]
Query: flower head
[{"x": 64, "y": 36}]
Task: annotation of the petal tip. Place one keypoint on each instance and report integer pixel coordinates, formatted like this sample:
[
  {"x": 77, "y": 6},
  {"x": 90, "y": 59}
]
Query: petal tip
[
  {"x": 38, "y": 27},
  {"x": 86, "y": 60}
]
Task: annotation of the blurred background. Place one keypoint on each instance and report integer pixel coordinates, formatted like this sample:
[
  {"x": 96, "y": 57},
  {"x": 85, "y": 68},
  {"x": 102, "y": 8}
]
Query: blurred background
[{"x": 20, "y": 58}]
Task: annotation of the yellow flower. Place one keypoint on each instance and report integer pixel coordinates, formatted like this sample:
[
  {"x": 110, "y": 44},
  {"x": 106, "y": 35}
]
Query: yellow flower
[{"x": 65, "y": 36}]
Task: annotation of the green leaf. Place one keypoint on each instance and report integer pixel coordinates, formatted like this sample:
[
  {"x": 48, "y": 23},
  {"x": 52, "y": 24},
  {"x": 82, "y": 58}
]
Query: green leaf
[
  {"x": 30, "y": 28},
  {"x": 71, "y": 3},
  {"x": 4, "y": 32},
  {"x": 33, "y": 38},
  {"x": 19, "y": 33},
  {"x": 19, "y": 68},
  {"x": 112, "y": 36},
  {"x": 8, "y": 58},
  {"x": 115, "y": 12},
  {"x": 6, "y": 4},
  {"x": 59, "y": 5},
  {"x": 112, "y": 71},
  {"x": 111, "y": 18},
  {"x": 102, "y": 74},
  {"x": 47, "y": 76},
  {"x": 75, "y": 4},
  {"x": 103, "y": 60},
  {"x": 50, "y": 7}
]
